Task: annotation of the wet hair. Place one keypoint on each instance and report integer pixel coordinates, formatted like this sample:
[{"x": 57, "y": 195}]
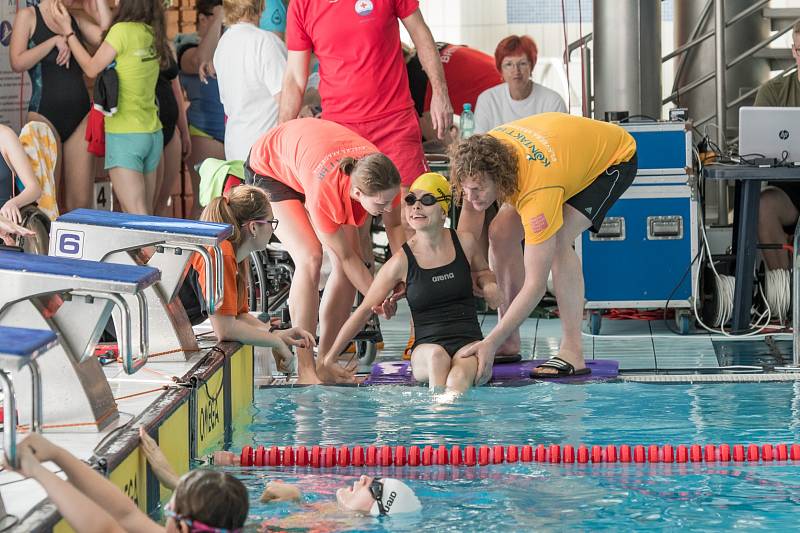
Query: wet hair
[
  {"x": 371, "y": 174},
  {"x": 206, "y": 7},
  {"x": 514, "y": 45},
  {"x": 239, "y": 10},
  {"x": 796, "y": 29},
  {"x": 237, "y": 207},
  {"x": 486, "y": 158},
  {"x": 213, "y": 497},
  {"x": 150, "y": 12}
]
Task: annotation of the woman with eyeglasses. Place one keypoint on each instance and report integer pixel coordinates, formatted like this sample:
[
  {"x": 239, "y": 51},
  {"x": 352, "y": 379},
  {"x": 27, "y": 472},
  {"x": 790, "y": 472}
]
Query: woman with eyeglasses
[
  {"x": 518, "y": 96},
  {"x": 247, "y": 209},
  {"x": 436, "y": 265},
  {"x": 323, "y": 180},
  {"x": 204, "y": 500}
]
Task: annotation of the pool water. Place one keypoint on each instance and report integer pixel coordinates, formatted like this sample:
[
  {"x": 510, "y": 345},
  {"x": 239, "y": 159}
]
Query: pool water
[{"x": 527, "y": 496}]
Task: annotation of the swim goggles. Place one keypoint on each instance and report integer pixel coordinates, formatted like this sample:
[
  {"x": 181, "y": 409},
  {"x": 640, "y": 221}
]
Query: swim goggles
[
  {"x": 195, "y": 526},
  {"x": 376, "y": 487},
  {"x": 426, "y": 199}
]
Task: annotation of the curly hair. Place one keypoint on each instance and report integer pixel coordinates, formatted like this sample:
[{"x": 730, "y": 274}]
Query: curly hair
[{"x": 486, "y": 158}]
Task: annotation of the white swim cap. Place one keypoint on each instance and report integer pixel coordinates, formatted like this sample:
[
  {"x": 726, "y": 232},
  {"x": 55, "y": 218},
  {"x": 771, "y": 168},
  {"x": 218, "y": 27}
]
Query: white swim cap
[{"x": 397, "y": 498}]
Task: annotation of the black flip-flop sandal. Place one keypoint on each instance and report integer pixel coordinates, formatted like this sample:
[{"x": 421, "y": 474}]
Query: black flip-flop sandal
[
  {"x": 509, "y": 358},
  {"x": 563, "y": 369}
]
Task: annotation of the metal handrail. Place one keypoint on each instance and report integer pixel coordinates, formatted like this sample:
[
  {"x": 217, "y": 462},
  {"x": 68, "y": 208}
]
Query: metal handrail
[
  {"x": 711, "y": 75},
  {"x": 744, "y": 55},
  {"x": 695, "y": 32},
  {"x": 577, "y": 43}
]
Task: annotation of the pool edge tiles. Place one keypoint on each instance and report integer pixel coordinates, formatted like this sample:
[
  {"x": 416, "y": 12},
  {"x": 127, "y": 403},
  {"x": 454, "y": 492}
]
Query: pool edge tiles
[{"x": 214, "y": 395}]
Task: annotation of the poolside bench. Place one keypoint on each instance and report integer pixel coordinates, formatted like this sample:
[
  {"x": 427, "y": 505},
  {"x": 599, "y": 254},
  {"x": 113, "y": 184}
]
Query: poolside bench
[
  {"x": 74, "y": 299},
  {"x": 121, "y": 237}
]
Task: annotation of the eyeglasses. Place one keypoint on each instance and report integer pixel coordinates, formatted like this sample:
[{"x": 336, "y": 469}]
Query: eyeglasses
[
  {"x": 272, "y": 221},
  {"x": 426, "y": 199},
  {"x": 376, "y": 488},
  {"x": 195, "y": 526},
  {"x": 522, "y": 65}
]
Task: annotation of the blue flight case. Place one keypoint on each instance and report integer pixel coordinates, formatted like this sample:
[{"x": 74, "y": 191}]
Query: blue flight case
[{"x": 644, "y": 255}]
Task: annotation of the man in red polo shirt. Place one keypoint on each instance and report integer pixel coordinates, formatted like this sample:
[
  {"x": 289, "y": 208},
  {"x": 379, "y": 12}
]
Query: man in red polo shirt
[{"x": 363, "y": 80}]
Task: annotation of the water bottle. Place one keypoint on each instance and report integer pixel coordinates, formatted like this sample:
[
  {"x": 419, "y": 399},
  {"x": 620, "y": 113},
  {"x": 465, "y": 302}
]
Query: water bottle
[{"x": 467, "y": 123}]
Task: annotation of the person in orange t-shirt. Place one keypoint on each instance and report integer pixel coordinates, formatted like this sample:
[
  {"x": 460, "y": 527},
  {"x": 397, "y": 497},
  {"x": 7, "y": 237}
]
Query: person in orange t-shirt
[
  {"x": 323, "y": 180},
  {"x": 554, "y": 176},
  {"x": 247, "y": 209}
]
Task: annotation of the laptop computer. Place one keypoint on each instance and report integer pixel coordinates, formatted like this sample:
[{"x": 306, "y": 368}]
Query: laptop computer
[{"x": 770, "y": 132}]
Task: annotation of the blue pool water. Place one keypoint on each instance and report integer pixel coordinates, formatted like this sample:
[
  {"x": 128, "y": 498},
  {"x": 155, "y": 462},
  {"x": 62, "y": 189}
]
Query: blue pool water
[{"x": 527, "y": 496}]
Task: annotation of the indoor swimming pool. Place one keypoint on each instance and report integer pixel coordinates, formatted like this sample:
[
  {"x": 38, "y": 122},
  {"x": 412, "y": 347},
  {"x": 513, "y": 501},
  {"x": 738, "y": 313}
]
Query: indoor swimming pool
[{"x": 528, "y": 496}]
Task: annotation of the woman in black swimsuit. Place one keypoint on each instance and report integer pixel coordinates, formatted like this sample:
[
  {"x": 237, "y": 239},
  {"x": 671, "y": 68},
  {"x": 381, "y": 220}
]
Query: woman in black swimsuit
[
  {"x": 437, "y": 266},
  {"x": 172, "y": 113},
  {"x": 59, "y": 95}
]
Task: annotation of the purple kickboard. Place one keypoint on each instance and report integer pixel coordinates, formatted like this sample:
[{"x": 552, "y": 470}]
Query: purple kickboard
[{"x": 510, "y": 374}]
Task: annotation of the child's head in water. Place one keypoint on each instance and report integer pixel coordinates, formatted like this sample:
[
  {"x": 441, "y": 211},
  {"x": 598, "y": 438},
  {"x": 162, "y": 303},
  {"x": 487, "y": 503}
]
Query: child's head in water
[
  {"x": 207, "y": 500},
  {"x": 378, "y": 497}
]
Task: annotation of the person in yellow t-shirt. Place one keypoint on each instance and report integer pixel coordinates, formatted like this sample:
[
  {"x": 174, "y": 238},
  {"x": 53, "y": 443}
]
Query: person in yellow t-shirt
[{"x": 553, "y": 176}]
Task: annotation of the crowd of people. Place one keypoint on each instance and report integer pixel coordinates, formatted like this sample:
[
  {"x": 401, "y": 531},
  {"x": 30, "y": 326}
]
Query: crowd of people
[
  {"x": 324, "y": 112},
  {"x": 235, "y": 94}
]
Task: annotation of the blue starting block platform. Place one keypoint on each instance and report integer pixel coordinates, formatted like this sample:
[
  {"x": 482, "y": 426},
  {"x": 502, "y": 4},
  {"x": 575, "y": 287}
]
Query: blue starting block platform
[
  {"x": 163, "y": 243},
  {"x": 74, "y": 300},
  {"x": 19, "y": 348}
]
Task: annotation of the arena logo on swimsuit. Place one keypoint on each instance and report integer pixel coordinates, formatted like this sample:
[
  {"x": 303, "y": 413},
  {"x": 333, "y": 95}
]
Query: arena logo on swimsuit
[
  {"x": 443, "y": 277},
  {"x": 364, "y": 7}
]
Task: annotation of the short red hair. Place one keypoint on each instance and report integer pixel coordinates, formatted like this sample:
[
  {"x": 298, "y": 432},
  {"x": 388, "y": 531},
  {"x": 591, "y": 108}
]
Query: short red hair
[{"x": 514, "y": 45}]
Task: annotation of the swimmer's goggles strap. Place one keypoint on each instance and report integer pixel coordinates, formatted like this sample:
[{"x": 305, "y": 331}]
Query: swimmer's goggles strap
[{"x": 376, "y": 489}]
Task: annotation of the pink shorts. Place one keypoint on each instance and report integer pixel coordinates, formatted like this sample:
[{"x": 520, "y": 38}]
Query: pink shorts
[{"x": 399, "y": 137}]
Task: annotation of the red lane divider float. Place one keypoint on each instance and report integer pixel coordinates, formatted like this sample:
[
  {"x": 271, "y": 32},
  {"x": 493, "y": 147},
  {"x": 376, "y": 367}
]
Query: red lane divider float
[{"x": 328, "y": 457}]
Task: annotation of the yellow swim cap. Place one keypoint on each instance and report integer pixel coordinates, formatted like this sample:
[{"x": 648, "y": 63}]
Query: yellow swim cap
[{"x": 437, "y": 185}]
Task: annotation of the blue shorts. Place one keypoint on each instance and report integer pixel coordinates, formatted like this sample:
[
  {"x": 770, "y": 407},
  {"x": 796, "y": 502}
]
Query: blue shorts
[{"x": 135, "y": 151}]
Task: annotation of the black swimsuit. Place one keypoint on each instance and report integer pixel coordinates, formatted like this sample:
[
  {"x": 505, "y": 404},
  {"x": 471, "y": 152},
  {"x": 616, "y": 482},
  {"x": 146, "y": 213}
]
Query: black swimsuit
[
  {"x": 167, "y": 104},
  {"x": 59, "y": 94},
  {"x": 441, "y": 301}
]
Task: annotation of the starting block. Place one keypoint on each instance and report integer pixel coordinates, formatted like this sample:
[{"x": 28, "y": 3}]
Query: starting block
[
  {"x": 122, "y": 238},
  {"x": 19, "y": 348},
  {"x": 74, "y": 299}
]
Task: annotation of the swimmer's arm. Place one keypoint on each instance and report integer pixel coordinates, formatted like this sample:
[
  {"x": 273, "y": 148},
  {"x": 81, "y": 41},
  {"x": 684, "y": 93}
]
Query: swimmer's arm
[
  {"x": 344, "y": 243},
  {"x": 471, "y": 221},
  {"x": 158, "y": 461},
  {"x": 79, "y": 511},
  {"x": 101, "y": 491},
  {"x": 94, "y": 21},
  {"x": 392, "y": 273},
  {"x": 21, "y": 57},
  {"x": 538, "y": 260},
  {"x": 21, "y": 165}
]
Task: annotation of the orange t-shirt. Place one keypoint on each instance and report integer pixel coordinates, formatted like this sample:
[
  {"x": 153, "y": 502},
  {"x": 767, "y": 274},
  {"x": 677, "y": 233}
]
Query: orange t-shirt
[
  {"x": 304, "y": 154},
  {"x": 234, "y": 301}
]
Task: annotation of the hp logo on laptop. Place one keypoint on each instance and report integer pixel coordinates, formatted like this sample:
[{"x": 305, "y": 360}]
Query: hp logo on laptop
[{"x": 783, "y": 134}]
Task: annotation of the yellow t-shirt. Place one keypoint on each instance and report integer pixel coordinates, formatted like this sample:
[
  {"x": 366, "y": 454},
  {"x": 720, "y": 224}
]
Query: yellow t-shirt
[
  {"x": 137, "y": 68},
  {"x": 559, "y": 155}
]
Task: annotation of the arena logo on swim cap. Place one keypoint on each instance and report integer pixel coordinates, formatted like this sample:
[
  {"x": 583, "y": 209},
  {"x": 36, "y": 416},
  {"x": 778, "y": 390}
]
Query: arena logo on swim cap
[{"x": 364, "y": 7}]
